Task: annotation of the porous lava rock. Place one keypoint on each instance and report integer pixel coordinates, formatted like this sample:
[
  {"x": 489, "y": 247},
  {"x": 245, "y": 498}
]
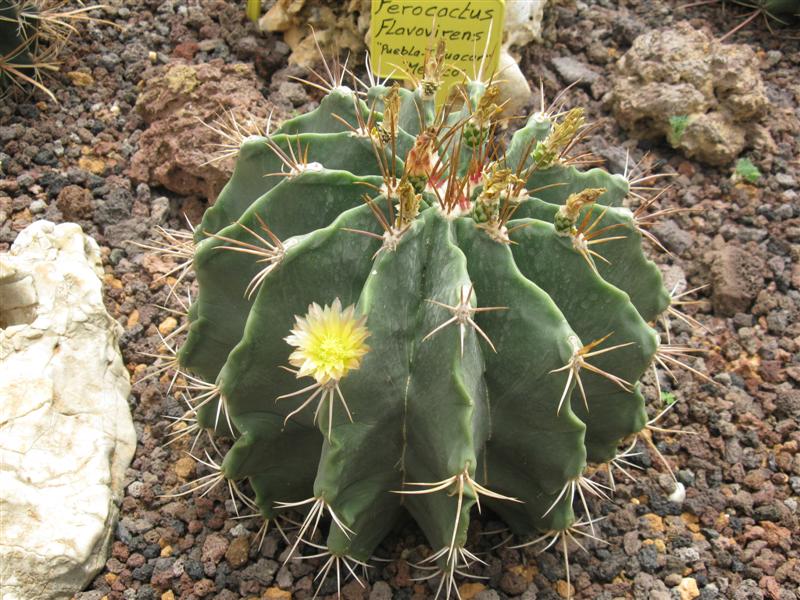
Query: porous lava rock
[
  {"x": 706, "y": 98},
  {"x": 185, "y": 107}
]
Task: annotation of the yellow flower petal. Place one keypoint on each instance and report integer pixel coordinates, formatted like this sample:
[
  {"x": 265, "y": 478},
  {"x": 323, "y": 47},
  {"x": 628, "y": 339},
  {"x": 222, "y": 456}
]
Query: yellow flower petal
[{"x": 329, "y": 342}]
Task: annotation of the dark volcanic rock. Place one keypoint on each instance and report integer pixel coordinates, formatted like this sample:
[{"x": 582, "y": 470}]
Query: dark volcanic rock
[{"x": 737, "y": 276}]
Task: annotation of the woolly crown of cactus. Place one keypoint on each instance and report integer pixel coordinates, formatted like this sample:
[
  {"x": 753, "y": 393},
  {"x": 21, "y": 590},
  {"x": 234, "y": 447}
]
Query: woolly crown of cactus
[{"x": 398, "y": 313}]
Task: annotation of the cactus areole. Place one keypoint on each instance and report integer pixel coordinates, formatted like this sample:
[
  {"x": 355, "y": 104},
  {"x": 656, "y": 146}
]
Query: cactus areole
[{"x": 397, "y": 313}]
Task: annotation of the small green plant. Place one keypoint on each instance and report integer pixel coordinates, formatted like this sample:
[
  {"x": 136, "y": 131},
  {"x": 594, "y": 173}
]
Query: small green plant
[
  {"x": 745, "y": 170},
  {"x": 678, "y": 124},
  {"x": 667, "y": 398},
  {"x": 253, "y": 10},
  {"x": 396, "y": 314}
]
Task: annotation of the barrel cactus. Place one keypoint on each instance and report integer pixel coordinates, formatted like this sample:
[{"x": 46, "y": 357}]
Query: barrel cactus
[
  {"x": 17, "y": 43},
  {"x": 779, "y": 11},
  {"x": 395, "y": 313},
  {"x": 32, "y": 34}
]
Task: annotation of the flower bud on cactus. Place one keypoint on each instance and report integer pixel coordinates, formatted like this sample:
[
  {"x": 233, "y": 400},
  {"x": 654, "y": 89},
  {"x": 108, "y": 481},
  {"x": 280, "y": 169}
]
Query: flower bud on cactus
[{"x": 395, "y": 314}]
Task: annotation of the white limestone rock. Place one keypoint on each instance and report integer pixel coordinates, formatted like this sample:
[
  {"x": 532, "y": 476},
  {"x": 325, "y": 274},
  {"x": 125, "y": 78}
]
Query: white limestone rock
[
  {"x": 523, "y": 24},
  {"x": 515, "y": 92},
  {"x": 66, "y": 434}
]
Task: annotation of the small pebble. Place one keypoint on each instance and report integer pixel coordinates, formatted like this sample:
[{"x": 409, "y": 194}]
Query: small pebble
[{"x": 167, "y": 326}]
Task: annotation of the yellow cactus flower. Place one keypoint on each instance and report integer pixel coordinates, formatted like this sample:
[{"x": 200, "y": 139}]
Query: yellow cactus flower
[{"x": 329, "y": 342}]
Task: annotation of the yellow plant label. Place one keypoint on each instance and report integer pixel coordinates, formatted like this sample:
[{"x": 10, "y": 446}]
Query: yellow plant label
[{"x": 403, "y": 29}]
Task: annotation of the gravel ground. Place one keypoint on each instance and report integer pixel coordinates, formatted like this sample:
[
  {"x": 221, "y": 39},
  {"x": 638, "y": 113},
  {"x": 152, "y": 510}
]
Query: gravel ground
[{"x": 735, "y": 536}]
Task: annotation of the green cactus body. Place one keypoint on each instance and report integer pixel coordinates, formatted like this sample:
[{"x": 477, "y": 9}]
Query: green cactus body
[
  {"x": 32, "y": 33},
  {"x": 504, "y": 354},
  {"x": 17, "y": 42},
  {"x": 777, "y": 7}
]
